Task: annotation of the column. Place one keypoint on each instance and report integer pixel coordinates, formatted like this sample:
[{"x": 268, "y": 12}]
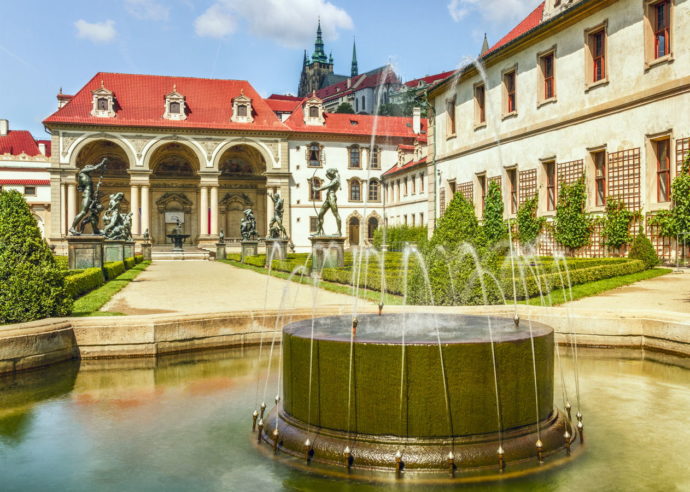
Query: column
[
  {"x": 134, "y": 208},
  {"x": 145, "y": 214},
  {"x": 71, "y": 203},
  {"x": 214, "y": 210},
  {"x": 63, "y": 208},
  {"x": 203, "y": 211}
]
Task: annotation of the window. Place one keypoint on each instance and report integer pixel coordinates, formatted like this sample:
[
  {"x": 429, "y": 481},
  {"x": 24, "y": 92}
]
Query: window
[
  {"x": 314, "y": 183},
  {"x": 482, "y": 189},
  {"x": 405, "y": 219},
  {"x": 30, "y": 190},
  {"x": 241, "y": 110},
  {"x": 374, "y": 158},
  {"x": 663, "y": 170},
  {"x": 662, "y": 28},
  {"x": 546, "y": 63},
  {"x": 364, "y": 105},
  {"x": 102, "y": 104},
  {"x": 597, "y": 50},
  {"x": 354, "y": 157},
  {"x": 599, "y": 159},
  {"x": 421, "y": 218},
  {"x": 355, "y": 191},
  {"x": 550, "y": 173},
  {"x": 450, "y": 109},
  {"x": 372, "y": 225},
  {"x": 373, "y": 190},
  {"x": 421, "y": 183},
  {"x": 413, "y": 184},
  {"x": 313, "y": 224},
  {"x": 513, "y": 183},
  {"x": 480, "y": 104},
  {"x": 175, "y": 107},
  {"x": 314, "y": 155},
  {"x": 397, "y": 190},
  {"x": 509, "y": 90},
  {"x": 405, "y": 186},
  {"x": 412, "y": 218},
  {"x": 313, "y": 111}
]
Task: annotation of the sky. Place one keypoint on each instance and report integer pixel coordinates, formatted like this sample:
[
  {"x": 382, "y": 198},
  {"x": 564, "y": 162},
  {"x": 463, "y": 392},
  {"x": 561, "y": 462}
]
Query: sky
[{"x": 47, "y": 45}]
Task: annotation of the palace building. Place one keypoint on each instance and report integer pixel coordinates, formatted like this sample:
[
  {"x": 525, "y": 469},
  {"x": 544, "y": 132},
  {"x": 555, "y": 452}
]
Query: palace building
[
  {"x": 593, "y": 87},
  {"x": 204, "y": 150}
]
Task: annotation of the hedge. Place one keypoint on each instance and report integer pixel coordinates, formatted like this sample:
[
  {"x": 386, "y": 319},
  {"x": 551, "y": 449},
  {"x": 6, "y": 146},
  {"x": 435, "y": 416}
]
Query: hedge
[
  {"x": 113, "y": 269},
  {"x": 130, "y": 262},
  {"x": 84, "y": 281},
  {"x": 138, "y": 258},
  {"x": 62, "y": 262}
]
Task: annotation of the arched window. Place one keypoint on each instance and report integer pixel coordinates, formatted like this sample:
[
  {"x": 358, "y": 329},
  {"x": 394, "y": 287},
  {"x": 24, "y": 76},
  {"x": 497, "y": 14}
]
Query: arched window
[
  {"x": 102, "y": 104},
  {"x": 314, "y": 155},
  {"x": 355, "y": 161},
  {"x": 355, "y": 191},
  {"x": 373, "y": 190},
  {"x": 353, "y": 227},
  {"x": 372, "y": 225},
  {"x": 313, "y": 111},
  {"x": 242, "y": 110},
  {"x": 313, "y": 184},
  {"x": 175, "y": 107}
]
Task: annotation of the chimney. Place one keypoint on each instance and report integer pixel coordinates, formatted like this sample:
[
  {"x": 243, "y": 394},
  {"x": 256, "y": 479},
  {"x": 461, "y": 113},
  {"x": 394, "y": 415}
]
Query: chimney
[
  {"x": 4, "y": 127},
  {"x": 42, "y": 148},
  {"x": 417, "y": 120}
]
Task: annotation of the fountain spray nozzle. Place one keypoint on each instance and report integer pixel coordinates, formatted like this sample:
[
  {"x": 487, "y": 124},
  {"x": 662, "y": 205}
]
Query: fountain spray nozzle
[
  {"x": 307, "y": 450},
  {"x": 255, "y": 415},
  {"x": 501, "y": 459},
  {"x": 516, "y": 320},
  {"x": 347, "y": 454},
  {"x": 277, "y": 399},
  {"x": 580, "y": 428},
  {"x": 380, "y": 308},
  {"x": 568, "y": 407},
  {"x": 355, "y": 322},
  {"x": 451, "y": 463},
  {"x": 263, "y": 409},
  {"x": 540, "y": 451},
  {"x": 566, "y": 438},
  {"x": 261, "y": 428},
  {"x": 276, "y": 435},
  {"x": 398, "y": 464}
]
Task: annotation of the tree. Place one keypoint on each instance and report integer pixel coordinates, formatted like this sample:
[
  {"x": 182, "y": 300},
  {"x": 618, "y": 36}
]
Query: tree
[
  {"x": 345, "y": 107},
  {"x": 616, "y": 231},
  {"x": 572, "y": 226},
  {"x": 677, "y": 221},
  {"x": 529, "y": 225},
  {"x": 495, "y": 228},
  {"x": 457, "y": 225},
  {"x": 31, "y": 283}
]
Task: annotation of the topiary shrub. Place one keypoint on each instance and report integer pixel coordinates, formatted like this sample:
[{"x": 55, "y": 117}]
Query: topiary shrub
[
  {"x": 495, "y": 228},
  {"x": 643, "y": 249},
  {"x": 572, "y": 226},
  {"x": 616, "y": 231},
  {"x": 457, "y": 225},
  {"x": 113, "y": 269},
  {"x": 32, "y": 285},
  {"x": 138, "y": 258},
  {"x": 528, "y": 224},
  {"x": 130, "y": 262},
  {"x": 62, "y": 262},
  {"x": 398, "y": 236},
  {"x": 83, "y": 281}
]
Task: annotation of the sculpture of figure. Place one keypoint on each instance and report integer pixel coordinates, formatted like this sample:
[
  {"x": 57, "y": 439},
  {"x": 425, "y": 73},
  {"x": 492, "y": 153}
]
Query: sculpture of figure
[
  {"x": 331, "y": 202},
  {"x": 248, "y": 226},
  {"x": 221, "y": 236},
  {"x": 90, "y": 201},
  {"x": 147, "y": 236},
  {"x": 126, "y": 226},
  {"x": 112, "y": 217},
  {"x": 276, "y": 228}
]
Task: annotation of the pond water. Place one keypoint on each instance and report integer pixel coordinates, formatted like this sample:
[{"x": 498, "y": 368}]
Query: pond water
[{"x": 184, "y": 423}]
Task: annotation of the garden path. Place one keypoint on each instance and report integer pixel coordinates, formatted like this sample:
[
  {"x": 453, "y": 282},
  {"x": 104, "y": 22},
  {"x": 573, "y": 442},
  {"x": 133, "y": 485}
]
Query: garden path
[{"x": 208, "y": 287}]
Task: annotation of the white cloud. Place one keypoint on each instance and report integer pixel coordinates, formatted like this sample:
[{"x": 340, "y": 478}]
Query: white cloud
[
  {"x": 97, "y": 32},
  {"x": 498, "y": 11},
  {"x": 216, "y": 22},
  {"x": 290, "y": 23},
  {"x": 147, "y": 10}
]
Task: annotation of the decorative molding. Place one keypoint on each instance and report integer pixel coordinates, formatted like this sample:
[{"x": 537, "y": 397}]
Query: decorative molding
[
  {"x": 181, "y": 198},
  {"x": 175, "y": 107},
  {"x": 103, "y": 103}
]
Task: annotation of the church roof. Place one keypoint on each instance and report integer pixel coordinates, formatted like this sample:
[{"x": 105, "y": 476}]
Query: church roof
[
  {"x": 372, "y": 78},
  {"x": 283, "y": 104},
  {"x": 18, "y": 142},
  {"x": 429, "y": 79}
]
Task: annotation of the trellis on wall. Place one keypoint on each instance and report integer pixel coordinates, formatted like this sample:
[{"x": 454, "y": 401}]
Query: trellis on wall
[
  {"x": 624, "y": 177},
  {"x": 570, "y": 172},
  {"x": 682, "y": 149},
  {"x": 662, "y": 244},
  {"x": 528, "y": 185},
  {"x": 495, "y": 179},
  {"x": 466, "y": 190}
]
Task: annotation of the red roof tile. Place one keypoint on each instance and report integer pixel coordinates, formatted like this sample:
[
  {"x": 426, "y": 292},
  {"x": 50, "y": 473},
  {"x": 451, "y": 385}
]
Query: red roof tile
[
  {"x": 140, "y": 101},
  {"x": 30, "y": 182},
  {"x": 285, "y": 97},
  {"x": 48, "y": 144},
  {"x": 283, "y": 105},
  {"x": 18, "y": 142},
  {"x": 359, "y": 82},
  {"x": 406, "y": 167},
  {"x": 529, "y": 23},
  {"x": 429, "y": 79}
]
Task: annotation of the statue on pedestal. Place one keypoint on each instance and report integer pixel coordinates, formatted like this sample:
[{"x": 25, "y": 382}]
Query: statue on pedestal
[
  {"x": 248, "y": 226},
  {"x": 331, "y": 202},
  {"x": 276, "y": 230},
  {"x": 117, "y": 225},
  {"x": 221, "y": 237},
  {"x": 90, "y": 202}
]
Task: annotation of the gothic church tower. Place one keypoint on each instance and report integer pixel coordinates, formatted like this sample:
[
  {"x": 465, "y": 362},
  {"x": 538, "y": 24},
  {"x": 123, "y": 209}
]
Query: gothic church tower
[{"x": 315, "y": 71}]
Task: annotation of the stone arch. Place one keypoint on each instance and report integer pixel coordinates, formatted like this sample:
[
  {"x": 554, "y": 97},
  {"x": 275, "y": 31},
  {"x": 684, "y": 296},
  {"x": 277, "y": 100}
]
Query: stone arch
[
  {"x": 232, "y": 206},
  {"x": 41, "y": 225},
  {"x": 150, "y": 149},
  {"x": 258, "y": 146},
  {"x": 79, "y": 145},
  {"x": 174, "y": 159},
  {"x": 92, "y": 150},
  {"x": 241, "y": 161},
  {"x": 169, "y": 205},
  {"x": 373, "y": 216}
]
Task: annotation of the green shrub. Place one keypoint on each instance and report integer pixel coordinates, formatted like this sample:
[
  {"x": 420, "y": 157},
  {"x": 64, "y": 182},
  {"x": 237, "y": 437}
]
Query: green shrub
[
  {"x": 62, "y": 262},
  {"x": 129, "y": 263},
  {"x": 233, "y": 256},
  {"x": 113, "y": 269},
  {"x": 495, "y": 228},
  {"x": 398, "y": 236},
  {"x": 528, "y": 224},
  {"x": 32, "y": 285},
  {"x": 138, "y": 258},
  {"x": 616, "y": 231},
  {"x": 84, "y": 281},
  {"x": 572, "y": 226},
  {"x": 643, "y": 249},
  {"x": 457, "y": 225}
]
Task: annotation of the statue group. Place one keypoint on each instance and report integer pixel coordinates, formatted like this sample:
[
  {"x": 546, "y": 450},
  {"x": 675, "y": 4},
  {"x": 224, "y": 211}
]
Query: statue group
[
  {"x": 248, "y": 226},
  {"x": 116, "y": 224}
]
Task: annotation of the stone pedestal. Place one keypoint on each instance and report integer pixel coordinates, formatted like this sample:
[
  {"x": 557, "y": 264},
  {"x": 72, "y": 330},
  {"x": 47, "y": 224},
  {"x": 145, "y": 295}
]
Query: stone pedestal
[
  {"x": 146, "y": 251},
  {"x": 129, "y": 249},
  {"x": 85, "y": 251},
  {"x": 249, "y": 248},
  {"x": 327, "y": 252},
  {"x": 221, "y": 253},
  {"x": 113, "y": 250},
  {"x": 276, "y": 249}
]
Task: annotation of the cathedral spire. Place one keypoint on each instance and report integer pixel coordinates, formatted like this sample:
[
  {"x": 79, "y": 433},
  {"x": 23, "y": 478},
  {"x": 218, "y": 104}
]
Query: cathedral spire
[
  {"x": 485, "y": 45},
  {"x": 354, "y": 70},
  {"x": 305, "y": 62},
  {"x": 319, "y": 54}
]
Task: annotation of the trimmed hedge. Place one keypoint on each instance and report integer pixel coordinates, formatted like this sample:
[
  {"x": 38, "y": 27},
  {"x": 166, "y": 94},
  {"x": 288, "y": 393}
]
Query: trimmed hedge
[
  {"x": 62, "y": 262},
  {"x": 129, "y": 263},
  {"x": 113, "y": 269},
  {"x": 138, "y": 258},
  {"x": 84, "y": 281}
]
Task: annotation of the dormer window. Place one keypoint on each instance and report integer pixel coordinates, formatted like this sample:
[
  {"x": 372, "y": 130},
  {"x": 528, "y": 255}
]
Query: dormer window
[
  {"x": 103, "y": 103},
  {"x": 313, "y": 111},
  {"x": 174, "y": 106},
  {"x": 242, "y": 109}
]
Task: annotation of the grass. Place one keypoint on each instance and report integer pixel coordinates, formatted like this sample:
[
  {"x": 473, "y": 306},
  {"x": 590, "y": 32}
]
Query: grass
[
  {"x": 89, "y": 304},
  {"x": 559, "y": 296},
  {"x": 369, "y": 295}
]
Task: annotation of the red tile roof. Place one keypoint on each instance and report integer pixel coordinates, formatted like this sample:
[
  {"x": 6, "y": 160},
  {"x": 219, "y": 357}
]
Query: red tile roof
[
  {"x": 528, "y": 23},
  {"x": 362, "y": 81},
  {"x": 429, "y": 79},
  {"x": 281, "y": 105},
  {"x": 18, "y": 142},
  {"x": 406, "y": 167},
  {"x": 285, "y": 97},
  {"x": 406, "y": 147},
  {"x": 141, "y": 98},
  {"x": 30, "y": 182},
  {"x": 356, "y": 124}
]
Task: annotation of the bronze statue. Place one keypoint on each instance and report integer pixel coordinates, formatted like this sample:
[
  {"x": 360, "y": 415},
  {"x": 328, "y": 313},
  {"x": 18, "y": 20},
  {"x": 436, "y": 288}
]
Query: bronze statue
[
  {"x": 276, "y": 230},
  {"x": 248, "y": 226},
  {"x": 90, "y": 201},
  {"x": 331, "y": 202},
  {"x": 117, "y": 225},
  {"x": 221, "y": 236}
]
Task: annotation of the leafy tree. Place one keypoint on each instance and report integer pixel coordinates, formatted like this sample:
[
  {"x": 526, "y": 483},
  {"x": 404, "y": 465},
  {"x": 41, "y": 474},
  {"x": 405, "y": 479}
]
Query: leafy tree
[
  {"x": 642, "y": 249},
  {"x": 31, "y": 283},
  {"x": 572, "y": 226},
  {"x": 529, "y": 225},
  {"x": 457, "y": 225},
  {"x": 495, "y": 228},
  {"x": 616, "y": 230},
  {"x": 345, "y": 107},
  {"x": 677, "y": 221}
]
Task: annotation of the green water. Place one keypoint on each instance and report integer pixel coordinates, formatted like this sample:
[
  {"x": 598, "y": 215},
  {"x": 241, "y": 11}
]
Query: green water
[{"x": 183, "y": 423}]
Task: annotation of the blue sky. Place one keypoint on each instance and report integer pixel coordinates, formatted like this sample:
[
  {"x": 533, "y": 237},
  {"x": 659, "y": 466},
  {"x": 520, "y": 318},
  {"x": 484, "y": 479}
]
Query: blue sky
[{"x": 48, "y": 45}]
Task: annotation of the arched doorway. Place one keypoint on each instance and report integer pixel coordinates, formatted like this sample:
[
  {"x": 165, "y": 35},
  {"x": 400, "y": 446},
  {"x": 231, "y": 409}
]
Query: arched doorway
[
  {"x": 242, "y": 184},
  {"x": 372, "y": 225},
  {"x": 353, "y": 231},
  {"x": 175, "y": 191}
]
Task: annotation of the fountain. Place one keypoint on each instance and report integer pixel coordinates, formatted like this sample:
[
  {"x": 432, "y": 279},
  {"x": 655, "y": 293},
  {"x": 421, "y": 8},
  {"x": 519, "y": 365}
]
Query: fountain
[{"x": 357, "y": 400}]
